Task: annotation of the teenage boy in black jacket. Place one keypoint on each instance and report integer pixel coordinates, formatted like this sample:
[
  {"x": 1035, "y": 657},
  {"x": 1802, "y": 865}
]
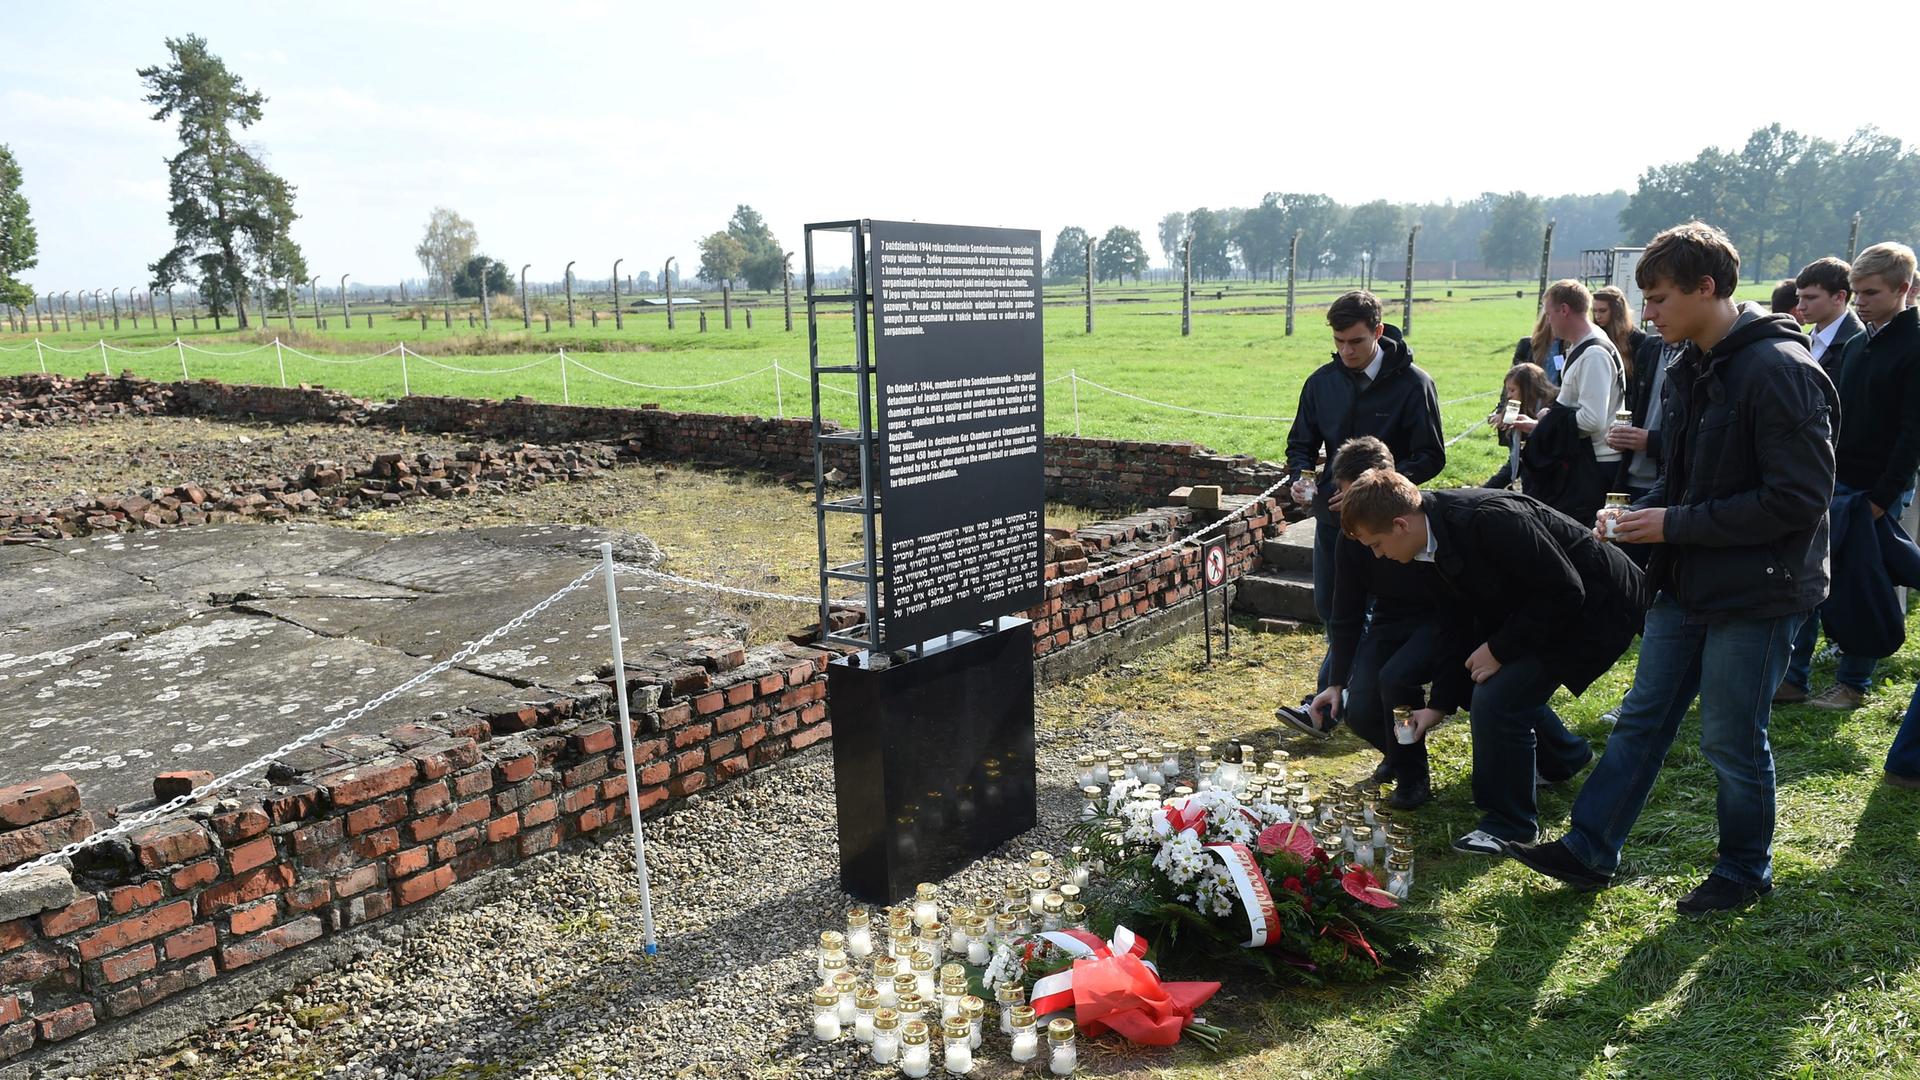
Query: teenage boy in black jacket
[
  {"x": 1878, "y": 451},
  {"x": 1370, "y": 387},
  {"x": 1544, "y": 604},
  {"x": 1384, "y": 642},
  {"x": 1739, "y": 521}
]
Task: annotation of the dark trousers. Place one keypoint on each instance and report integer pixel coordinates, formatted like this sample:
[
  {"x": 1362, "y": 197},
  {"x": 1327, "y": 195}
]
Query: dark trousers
[
  {"x": 1394, "y": 662},
  {"x": 1513, "y": 729}
]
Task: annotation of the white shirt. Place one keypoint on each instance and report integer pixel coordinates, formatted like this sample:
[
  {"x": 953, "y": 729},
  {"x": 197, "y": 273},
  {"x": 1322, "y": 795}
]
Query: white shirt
[
  {"x": 1593, "y": 389},
  {"x": 1433, "y": 545},
  {"x": 1823, "y": 339},
  {"x": 1373, "y": 366}
]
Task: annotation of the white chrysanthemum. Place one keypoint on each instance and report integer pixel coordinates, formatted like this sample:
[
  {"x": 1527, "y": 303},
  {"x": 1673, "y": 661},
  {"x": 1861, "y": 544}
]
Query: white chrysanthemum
[
  {"x": 1181, "y": 858},
  {"x": 1237, "y": 830}
]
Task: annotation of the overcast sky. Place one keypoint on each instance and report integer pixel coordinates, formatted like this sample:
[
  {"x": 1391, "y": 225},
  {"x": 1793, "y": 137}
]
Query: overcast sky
[{"x": 597, "y": 131}]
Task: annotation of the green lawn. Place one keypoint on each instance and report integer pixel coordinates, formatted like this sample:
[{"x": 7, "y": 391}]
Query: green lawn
[{"x": 1239, "y": 360}]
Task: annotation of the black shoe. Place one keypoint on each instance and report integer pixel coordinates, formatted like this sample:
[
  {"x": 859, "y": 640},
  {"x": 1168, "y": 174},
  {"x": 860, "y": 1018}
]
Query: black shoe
[
  {"x": 1411, "y": 794},
  {"x": 1541, "y": 779},
  {"x": 1302, "y": 719},
  {"x": 1556, "y": 862},
  {"x": 1382, "y": 772},
  {"x": 1721, "y": 894}
]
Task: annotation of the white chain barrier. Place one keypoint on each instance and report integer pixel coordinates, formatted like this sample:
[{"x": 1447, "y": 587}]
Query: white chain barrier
[{"x": 148, "y": 817}]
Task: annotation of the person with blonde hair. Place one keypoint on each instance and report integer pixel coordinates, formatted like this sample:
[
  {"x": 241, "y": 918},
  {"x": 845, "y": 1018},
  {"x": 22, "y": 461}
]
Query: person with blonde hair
[
  {"x": 1878, "y": 450},
  {"x": 1592, "y": 390},
  {"x": 1613, "y": 315}
]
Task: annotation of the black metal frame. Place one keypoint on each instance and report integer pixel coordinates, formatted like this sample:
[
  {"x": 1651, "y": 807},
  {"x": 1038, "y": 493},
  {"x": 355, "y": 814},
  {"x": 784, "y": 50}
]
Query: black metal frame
[
  {"x": 866, "y": 570},
  {"x": 1596, "y": 267}
]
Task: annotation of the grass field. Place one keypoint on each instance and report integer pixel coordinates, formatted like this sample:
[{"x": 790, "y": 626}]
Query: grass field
[{"x": 1238, "y": 361}]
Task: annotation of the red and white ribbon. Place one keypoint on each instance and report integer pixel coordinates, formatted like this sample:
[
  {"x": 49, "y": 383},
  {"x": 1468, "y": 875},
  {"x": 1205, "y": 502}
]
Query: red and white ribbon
[
  {"x": 1263, "y": 919},
  {"x": 1054, "y": 993}
]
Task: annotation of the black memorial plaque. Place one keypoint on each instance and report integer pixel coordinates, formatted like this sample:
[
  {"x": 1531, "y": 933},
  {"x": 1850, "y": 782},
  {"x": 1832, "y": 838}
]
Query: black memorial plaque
[{"x": 956, "y": 314}]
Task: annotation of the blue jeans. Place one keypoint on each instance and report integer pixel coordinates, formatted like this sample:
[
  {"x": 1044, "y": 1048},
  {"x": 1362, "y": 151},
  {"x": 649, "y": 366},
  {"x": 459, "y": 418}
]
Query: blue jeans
[
  {"x": 1515, "y": 732},
  {"x": 1732, "y": 666},
  {"x": 1903, "y": 757},
  {"x": 1854, "y": 671}
]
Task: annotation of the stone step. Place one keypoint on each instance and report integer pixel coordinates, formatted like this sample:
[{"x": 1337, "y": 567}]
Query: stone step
[
  {"x": 1277, "y": 596},
  {"x": 1292, "y": 551}
]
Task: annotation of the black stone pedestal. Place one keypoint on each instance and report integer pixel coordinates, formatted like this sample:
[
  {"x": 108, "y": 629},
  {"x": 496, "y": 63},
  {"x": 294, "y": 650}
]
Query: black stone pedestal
[{"x": 932, "y": 758}]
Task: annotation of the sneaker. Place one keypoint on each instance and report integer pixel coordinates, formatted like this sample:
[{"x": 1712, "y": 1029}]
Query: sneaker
[
  {"x": 1911, "y": 783},
  {"x": 1611, "y": 717},
  {"x": 1481, "y": 842},
  {"x": 1789, "y": 694},
  {"x": 1721, "y": 894},
  {"x": 1837, "y": 698},
  {"x": 1558, "y": 863},
  {"x": 1303, "y": 720}
]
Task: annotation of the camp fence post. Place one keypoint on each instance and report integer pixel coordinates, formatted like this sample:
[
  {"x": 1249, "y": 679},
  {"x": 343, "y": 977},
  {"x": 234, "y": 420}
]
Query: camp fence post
[{"x": 626, "y": 744}]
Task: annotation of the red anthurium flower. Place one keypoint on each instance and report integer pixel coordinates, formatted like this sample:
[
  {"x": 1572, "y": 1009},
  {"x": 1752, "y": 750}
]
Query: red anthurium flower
[
  {"x": 1291, "y": 837},
  {"x": 1365, "y": 888}
]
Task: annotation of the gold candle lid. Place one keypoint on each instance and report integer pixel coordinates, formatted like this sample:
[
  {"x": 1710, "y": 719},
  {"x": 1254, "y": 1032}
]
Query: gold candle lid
[
  {"x": 1169, "y": 748},
  {"x": 933, "y": 931},
  {"x": 886, "y": 1019},
  {"x": 1075, "y": 913},
  {"x": 832, "y": 941},
  {"x": 1010, "y": 993},
  {"x": 1060, "y": 1030},
  {"x": 866, "y": 998},
  {"x": 833, "y": 960},
  {"x": 898, "y": 917},
  {"x": 922, "y": 961},
  {"x": 1022, "y": 1015},
  {"x": 1091, "y": 792},
  {"x": 972, "y": 1007},
  {"x": 825, "y": 997},
  {"x": 925, "y": 891},
  {"x": 1069, "y": 893},
  {"x": 885, "y": 966},
  {"x": 1054, "y": 903},
  {"x": 903, "y": 985},
  {"x": 1006, "y": 922},
  {"x": 846, "y": 983},
  {"x": 859, "y": 918},
  {"x": 1085, "y": 761},
  {"x": 953, "y": 987},
  {"x": 1039, "y": 860},
  {"x": 1203, "y": 750},
  {"x": 1040, "y": 879},
  {"x": 1402, "y": 712},
  {"x": 914, "y": 1033},
  {"x": 952, "y": 971},
  {"x": 957, "y": 1030},
  {"x": 912, "y": 1004},
  {"x": 1015, "y": 892}
]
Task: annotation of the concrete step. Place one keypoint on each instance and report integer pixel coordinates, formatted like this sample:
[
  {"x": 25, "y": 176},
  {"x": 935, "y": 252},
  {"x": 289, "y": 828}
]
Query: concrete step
[
  {"x": 1277, "y": 596},
  {"x": 1292, "y": 551}
]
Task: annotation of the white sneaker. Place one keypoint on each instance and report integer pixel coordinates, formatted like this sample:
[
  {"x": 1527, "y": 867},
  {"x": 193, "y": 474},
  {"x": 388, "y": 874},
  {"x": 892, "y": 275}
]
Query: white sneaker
[
  {"x": 1481, "y": 842},
  {"x": 1611, "y": 717}
]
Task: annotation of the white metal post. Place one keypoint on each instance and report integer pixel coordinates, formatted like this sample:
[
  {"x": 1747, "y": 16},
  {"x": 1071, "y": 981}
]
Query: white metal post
[
  {"x": 566, "y": 397},
  {"x": 626, "y": 743},
  {"x": 406, "y": 388},
  {"x": 1073, "y": 382},
  {"x": 779, "y": 403},
  {"x": 105, "y": 368},
  {"x": 182, "y": 350},
  {"x": 42, "y": 354},
  {"x": 282, "y": 361}
]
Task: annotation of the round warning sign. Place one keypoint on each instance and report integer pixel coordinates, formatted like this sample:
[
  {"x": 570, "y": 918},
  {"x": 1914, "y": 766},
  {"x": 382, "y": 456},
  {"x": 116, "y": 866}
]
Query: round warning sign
[{"x": 1215, "y": 564}]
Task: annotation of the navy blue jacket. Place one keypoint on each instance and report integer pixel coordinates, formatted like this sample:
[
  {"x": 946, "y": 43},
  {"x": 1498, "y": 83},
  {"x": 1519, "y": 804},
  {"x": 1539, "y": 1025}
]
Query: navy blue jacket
[{"x": 1862, "y": 615}]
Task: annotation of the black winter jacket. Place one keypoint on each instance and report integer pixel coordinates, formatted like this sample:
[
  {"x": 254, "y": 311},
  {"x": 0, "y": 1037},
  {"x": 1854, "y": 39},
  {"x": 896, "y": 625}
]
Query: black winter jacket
[
  {"x": 1401, "y": 409},
  {"x": 1878, "y": 449},
  {"x": 1749, "y": 428},
  {"x": 1535, "y": 583}
]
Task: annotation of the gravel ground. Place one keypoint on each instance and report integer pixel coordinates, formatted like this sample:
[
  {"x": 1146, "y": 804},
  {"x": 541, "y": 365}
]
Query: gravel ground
[{"x": 545, "y": 977}]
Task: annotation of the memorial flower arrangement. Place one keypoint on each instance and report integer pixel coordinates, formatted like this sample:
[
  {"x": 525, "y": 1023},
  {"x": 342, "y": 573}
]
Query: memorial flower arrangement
[{"x": 1210, "y": 874}]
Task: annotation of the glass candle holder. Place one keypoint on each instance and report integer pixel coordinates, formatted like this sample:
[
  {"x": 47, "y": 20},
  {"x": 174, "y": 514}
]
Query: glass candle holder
[
  {"x": 859, "y": 933},
  {"x": 1130, "y": 764},
  {"x": 866, "y": 1003},
  {"x": 886, "y": 1036},
  {"x": 933, "y": 939},
  {"x": 1026, "y": 1037},
  {"x": 957, "y": 1053},
  {"x": 1204, "y": 773},
  {"x": 957, "y": 935},
  {"x": 1039, "y": 883},
  {"x": 900, "y": 932},
  {"x": 903, "y": 985},
  {"x": 1092, "y": 809},
  {"x": 973, "y": 1010},
  {"x": 978, "y": 952},
  {"x": 1617, "y": 504},
  {"x": 926, "y": 904},
  {"x": 1009, "y": 996},
  {"x": 1084, "y": 770},
  {"x": 952, "y": 992},
  {"x": 1006, "y": 926},
  {"x": 1399, "y": 876},
  {"x": 1170, "y": 759},
  {"x": 915, "y": 1007},
  {"x": 1404, "y": 732},
  {"x": 1051, "y": 911},
  {"x": 922, "y": 967},
  {"x": 831, "y": 960},
  {"x": 1062, "y": 1057},
  {"x": 885, "y": 970},
  {"x": 846, "y": 985},
  {"x": 916, "y": 1055},
  {"x": 1075, "y": 916},
  {"x": 826, "y": 1013}
]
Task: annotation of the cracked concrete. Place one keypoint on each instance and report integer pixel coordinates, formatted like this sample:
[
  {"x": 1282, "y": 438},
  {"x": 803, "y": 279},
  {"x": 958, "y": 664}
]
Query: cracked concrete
[{"x": 227, "y": 641}]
